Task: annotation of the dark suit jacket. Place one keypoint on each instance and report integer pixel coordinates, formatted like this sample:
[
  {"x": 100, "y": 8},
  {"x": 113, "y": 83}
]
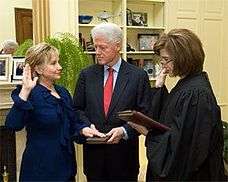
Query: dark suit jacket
[{"x": 131, "y": 92}]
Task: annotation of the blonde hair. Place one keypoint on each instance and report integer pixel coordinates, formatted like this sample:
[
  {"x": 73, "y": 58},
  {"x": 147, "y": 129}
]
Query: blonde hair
[{"x": 39, "y": 54}]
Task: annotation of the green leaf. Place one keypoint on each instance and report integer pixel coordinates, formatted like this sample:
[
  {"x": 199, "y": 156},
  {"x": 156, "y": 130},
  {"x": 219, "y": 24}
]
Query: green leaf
[
  {"x": 21, "y": 50},
  {"x": 71, "y": 57}
]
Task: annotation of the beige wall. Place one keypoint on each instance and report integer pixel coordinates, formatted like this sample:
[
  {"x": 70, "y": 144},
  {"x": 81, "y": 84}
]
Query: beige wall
[
  {"x": 62, "y": 16},
  {"x": 7, "y": 17}
]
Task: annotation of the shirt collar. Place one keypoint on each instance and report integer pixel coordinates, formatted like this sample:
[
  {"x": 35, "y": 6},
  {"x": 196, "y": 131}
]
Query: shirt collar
[{"x": 115, "y": 67}]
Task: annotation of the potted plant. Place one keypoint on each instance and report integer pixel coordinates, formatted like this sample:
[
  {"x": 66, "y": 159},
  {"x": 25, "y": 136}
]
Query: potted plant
[
  {"x": 71, "y": 57},
  {"x": 21, "y": 50}
]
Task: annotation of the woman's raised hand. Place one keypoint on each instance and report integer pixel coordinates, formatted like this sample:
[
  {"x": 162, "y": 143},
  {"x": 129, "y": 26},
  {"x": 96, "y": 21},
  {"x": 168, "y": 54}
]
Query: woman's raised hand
[
  {"x": 28, "y": 83},
  {"x": 160, "y": 80}
]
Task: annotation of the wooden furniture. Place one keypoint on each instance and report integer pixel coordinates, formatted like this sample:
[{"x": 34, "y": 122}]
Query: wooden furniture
[
  {"x": 7, "y": 153},
  {"x": 5, "y": 97},
  {"x": 7, "y": 137}
]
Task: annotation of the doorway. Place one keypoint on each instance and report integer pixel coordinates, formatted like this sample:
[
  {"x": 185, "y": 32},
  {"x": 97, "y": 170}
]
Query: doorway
[{"x": 23, "y": 24}]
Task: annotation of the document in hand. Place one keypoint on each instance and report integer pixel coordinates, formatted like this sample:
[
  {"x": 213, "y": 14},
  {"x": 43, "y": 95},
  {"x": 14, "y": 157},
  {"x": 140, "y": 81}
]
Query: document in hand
[
  {"x": 97, "y": 140},
  {"x": 141, "y": 119}
]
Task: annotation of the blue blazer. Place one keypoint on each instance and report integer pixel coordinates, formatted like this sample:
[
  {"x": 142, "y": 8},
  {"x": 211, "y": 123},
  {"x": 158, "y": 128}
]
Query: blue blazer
[{"x": 51, "y": 125}]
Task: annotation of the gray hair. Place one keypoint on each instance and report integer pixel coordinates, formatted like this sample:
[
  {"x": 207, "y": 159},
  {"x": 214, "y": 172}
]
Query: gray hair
[
  {"x": 9, "y": 44},
  {"x": 110, "y": 31}
]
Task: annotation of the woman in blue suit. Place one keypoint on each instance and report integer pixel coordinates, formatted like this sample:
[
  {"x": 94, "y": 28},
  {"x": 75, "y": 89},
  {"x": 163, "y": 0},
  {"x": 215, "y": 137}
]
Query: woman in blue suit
[{"x": 45, "y": 110}]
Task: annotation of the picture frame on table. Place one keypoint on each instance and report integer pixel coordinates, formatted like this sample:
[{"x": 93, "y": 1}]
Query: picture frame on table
[
  {"x": 147, "y": 41},
  {"x": 152, "y": 68},
  {"x": 4, "y": 67},
  {"x": 129, "y": 17},
  {"x": 18, "y": 65},
  {"x": 149, "y": 67}
]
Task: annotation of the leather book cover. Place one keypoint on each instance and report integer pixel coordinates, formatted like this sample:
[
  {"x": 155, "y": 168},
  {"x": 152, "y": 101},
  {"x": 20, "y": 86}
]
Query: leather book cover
[
  {"x": 141, "y": 119},
  {"x": 97, "y": 140}
]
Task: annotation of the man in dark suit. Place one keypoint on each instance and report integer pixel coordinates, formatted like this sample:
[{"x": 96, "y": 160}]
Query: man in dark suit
[{"x": 102, "y": 90}]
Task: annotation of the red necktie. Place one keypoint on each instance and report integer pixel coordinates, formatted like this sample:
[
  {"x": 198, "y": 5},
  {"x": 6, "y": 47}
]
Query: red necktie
[{"x": 108, "y": 91}]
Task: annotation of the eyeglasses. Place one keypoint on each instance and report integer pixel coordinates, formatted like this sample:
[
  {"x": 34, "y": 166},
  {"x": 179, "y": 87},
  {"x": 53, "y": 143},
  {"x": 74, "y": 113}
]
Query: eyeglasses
[{"x": 165, "y": 60}]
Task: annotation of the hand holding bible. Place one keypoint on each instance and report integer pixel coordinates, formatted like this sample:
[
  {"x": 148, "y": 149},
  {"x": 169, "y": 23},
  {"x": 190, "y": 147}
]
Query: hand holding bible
[
  {"x": 141, "y": 129},
  {"x": 141, "y": 119},
  {"x": 91, "y": 132},
  {"x": 116, "y": 134}
]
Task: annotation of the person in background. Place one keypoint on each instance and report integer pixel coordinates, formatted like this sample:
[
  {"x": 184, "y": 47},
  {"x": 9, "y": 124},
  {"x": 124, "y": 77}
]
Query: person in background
[
  {"x": 45, "y": 110},
  {"x": 102, "y": 90},
  {"x": 192, "y": 149},
  {"x": 19, "y": 69},
  {"x": 9, "y": 47}
]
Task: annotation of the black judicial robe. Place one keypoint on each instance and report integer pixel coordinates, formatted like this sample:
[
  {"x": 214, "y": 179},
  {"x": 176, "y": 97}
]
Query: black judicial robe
[{"x": 192, "y": 150}]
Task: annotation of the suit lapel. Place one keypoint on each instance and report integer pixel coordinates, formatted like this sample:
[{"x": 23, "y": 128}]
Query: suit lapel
[
  {"x": 121, "y": 83},
  {"x": 98, "y": 85}
]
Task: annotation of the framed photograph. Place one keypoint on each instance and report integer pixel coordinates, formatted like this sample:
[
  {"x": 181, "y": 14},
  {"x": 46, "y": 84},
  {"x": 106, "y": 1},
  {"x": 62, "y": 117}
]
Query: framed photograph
[
  {"x": 18, "y": 65},
  {"x": 149, "y": 67},
  {"x": 139, "y": 19},
  {"x": 147, "y": 41},
  {"x": 4, "y": 67},
  {"x": 152, "y": 68},
  {"x": 129, "y": 17}
]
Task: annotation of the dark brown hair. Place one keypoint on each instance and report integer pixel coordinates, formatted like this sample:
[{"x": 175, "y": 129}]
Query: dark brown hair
[{"x": 184, "y": 48}]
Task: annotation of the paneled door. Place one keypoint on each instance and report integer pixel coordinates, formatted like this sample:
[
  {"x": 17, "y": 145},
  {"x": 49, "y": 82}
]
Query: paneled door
[{"x": 23, "y": 24}]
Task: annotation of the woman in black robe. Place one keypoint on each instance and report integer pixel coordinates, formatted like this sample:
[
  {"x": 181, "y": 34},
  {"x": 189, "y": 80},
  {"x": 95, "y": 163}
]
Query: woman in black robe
[{"x": 192, "y": 149}]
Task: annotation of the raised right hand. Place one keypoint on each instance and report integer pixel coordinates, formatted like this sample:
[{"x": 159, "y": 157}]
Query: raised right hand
[{"x": 27, "y": 82}]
